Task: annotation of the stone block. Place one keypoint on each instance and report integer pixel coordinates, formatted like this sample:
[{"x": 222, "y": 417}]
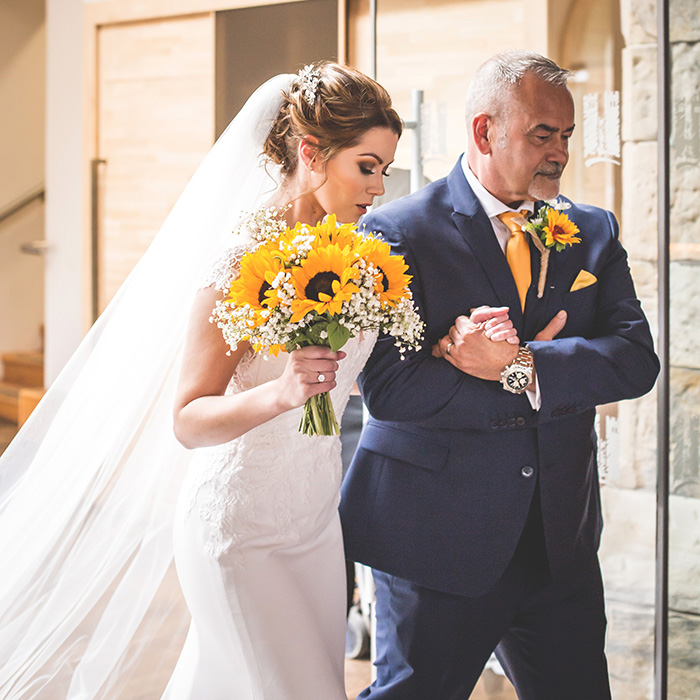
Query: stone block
[
  {"x": 638, "y": 21},
  {"x": 685, "y": 431},
  {"x": 639, "y": 93},
  {"x": 637, "y": 442},
  {"x": 685, "y": 149},
  {"x": 684, "y": 20},
  {"x": 684, "y": 554},
  {"x": 628, "y": 545},
  {"x": 639, "y": 222},
  {"x": 630, "y": 650},
  {"x": 685, "y": 314}
]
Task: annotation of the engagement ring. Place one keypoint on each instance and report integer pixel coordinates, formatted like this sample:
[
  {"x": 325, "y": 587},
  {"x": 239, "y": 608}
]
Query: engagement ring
[
  {"x": 447, "y": 349},
  {"x": 321, "y": 378}
]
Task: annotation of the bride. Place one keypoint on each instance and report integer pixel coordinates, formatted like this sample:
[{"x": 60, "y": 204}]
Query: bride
[
  {"x": 258, "y": 544},
  {"x": 89, "y": 528}
]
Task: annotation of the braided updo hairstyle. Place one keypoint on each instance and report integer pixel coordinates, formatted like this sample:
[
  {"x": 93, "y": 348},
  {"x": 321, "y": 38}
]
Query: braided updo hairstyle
[{"x": 343, "y": 105}]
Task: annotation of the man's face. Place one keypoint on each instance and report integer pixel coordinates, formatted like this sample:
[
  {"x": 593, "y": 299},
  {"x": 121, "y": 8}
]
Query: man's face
[{"x": 530, "y": 144}]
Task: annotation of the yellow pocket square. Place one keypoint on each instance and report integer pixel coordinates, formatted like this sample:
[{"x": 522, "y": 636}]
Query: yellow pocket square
[{"x": 583, "y": 279}]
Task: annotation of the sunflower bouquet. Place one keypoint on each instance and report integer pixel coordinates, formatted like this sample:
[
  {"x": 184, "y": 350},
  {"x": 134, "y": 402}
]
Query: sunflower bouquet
[{"x": 316, "y": 285}]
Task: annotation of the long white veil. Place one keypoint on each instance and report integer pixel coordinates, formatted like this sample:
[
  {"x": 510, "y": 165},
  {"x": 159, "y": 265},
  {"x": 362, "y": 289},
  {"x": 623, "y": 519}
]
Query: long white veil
[{"x": 88, "y": 487}]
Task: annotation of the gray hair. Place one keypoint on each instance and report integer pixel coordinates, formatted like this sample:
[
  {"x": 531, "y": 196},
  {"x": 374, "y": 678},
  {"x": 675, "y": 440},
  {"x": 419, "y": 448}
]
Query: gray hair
[{"x": 495, "y": 80}]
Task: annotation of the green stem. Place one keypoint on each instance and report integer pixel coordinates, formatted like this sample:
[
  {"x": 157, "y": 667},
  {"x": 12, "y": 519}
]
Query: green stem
[{"x": 319, "y": 417}]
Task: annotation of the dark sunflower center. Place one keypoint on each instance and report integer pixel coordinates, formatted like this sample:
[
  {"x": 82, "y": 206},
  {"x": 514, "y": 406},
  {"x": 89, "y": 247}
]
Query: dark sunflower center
[
  {"x": 261, "y": 294},
  {"x": 385, "y": 281},
  {"x": 321, "y": 283},
  {"x": 558, "y": 232}
]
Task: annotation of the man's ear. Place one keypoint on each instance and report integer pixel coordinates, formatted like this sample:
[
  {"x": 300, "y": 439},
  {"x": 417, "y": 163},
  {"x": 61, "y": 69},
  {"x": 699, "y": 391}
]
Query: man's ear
[
  {"x": 482, "y": 132},
  {"x": 308, "y": 151}
]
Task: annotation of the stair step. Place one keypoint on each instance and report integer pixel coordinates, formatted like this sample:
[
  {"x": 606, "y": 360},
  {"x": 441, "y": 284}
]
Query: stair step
[
  {"x": 9, "y": 401},
  {"x": 25, "y": 368}
]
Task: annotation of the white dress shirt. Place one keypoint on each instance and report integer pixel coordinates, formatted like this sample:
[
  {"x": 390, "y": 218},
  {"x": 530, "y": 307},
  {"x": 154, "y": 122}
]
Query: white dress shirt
[{"x": 493, "y": 207}]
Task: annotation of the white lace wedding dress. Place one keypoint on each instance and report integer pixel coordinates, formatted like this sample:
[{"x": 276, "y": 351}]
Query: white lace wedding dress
[{"x": 259, "y": 552}]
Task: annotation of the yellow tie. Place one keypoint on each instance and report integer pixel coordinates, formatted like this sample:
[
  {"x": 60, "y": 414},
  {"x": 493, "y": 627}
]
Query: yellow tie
[{"x": 518, "y": 253}]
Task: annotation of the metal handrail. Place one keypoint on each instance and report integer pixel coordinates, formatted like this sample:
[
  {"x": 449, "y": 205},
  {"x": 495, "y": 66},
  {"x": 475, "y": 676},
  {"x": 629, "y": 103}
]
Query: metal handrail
[{"x": 19, "y": 204}]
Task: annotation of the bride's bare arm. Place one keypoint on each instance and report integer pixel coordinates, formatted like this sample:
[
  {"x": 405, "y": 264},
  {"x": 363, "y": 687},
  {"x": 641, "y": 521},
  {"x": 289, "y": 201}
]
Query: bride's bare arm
[{"x": 204, "y": 416}]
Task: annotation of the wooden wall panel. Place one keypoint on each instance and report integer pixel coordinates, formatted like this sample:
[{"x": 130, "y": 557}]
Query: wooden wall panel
[{"x": 155, "y": 123}]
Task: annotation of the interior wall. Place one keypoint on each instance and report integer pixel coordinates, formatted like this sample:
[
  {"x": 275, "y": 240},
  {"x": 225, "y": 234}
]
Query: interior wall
[
  {"x": 22, "y": 61},
  {"x": 288, "y": 36}
]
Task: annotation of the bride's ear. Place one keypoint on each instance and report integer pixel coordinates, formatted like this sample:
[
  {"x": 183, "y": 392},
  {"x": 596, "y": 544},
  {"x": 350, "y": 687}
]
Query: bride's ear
[{"x": 308, "y": 151}]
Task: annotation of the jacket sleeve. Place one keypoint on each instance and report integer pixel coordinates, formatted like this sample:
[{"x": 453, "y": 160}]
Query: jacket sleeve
[
  {"x": 425, "y": 389},
  {"x": 616, "y": 361},
  {"x": 575, "y": 373}
]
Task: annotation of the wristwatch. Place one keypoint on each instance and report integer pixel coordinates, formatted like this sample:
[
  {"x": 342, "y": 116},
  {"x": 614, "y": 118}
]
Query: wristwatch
[{"x": 517, "y": 376}]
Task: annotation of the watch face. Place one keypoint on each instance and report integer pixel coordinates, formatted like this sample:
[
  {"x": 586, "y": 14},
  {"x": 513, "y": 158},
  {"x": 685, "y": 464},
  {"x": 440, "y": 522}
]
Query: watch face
[{"x": 517, "y": 380}]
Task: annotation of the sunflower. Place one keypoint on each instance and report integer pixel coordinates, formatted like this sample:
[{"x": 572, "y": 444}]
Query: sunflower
[
  {"x": 330, "y": 232},
  {"x": 254, "y": 285},
  {"x": 321, "y": 235},
  {"x": 391, "y": 282},
  {"x": 559, "y": 231},
  {"x": 323, "y": 281}
]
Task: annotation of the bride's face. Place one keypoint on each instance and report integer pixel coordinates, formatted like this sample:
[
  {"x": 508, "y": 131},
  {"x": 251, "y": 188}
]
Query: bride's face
[{"x": 353, "y": 177}]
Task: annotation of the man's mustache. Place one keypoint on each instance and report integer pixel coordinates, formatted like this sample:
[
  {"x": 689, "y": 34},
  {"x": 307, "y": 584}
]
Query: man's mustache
[{"x": 555, "y": 171}]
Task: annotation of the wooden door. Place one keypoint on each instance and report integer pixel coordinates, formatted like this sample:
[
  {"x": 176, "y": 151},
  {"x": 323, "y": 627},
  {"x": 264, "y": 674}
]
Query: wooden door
[{"x": 155, "y": 123}]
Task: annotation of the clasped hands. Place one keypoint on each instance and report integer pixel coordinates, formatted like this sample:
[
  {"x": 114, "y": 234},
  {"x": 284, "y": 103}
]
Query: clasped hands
[{"x": 485, "y": 342}]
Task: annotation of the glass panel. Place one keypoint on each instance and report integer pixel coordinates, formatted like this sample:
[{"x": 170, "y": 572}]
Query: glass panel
[
  {"x": 684, "y": 506},
  {"x": 611, "y": 47}
]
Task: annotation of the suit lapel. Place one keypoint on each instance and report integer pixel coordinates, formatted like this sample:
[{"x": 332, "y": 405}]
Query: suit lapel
[
  {"x": 534, "y": 307},
  {"x": 476, "y": 229}
]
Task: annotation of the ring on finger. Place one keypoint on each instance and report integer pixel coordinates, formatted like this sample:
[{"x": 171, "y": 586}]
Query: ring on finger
[
  {"x": 321, "y": 377},
  {"x": 447, "y": 349}
]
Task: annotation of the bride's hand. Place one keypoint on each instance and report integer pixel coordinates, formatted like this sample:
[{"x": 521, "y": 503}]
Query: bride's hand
[
  {"x": 496, "y": 323},
  {"x": 493, "y": 321},
  {"x": 309, "y": 371}
]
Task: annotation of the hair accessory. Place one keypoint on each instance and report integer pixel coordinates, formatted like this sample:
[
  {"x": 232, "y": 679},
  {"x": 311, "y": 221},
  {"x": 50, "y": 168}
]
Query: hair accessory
[{"x": 309, "y": 77}]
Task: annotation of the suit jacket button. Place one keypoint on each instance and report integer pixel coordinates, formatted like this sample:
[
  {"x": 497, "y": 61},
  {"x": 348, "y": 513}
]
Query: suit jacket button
[
  {"x": 511, "y": 422},
  {"x": 527, "y": 471},
  {"x": 494, "y": 424},
  {"x": 503, "y": 423},
  {"x": 520, "y": 420}
]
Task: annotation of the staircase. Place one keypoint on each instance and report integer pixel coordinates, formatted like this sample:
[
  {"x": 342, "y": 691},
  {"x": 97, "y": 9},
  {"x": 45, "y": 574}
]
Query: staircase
[{"x": 21, "y": 386}]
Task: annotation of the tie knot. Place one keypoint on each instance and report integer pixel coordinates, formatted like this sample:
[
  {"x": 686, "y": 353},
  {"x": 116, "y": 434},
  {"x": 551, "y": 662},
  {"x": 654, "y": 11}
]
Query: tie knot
[{"x": 513, "y": 219}]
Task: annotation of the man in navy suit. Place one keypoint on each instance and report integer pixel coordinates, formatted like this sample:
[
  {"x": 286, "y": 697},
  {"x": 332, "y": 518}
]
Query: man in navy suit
[{"x": 474, "y": 492}]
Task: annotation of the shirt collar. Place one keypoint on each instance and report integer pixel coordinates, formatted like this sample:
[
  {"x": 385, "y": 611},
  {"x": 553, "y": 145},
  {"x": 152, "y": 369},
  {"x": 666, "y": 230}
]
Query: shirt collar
[{"x": 491, "y": 205}]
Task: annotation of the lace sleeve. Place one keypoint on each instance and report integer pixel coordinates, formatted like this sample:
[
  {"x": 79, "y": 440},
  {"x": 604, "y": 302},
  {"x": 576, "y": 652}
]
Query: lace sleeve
[{"x": 223, "y": 269}]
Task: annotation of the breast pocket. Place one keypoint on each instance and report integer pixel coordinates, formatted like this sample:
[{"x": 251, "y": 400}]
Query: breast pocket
[{"x": 580, "y": 307}]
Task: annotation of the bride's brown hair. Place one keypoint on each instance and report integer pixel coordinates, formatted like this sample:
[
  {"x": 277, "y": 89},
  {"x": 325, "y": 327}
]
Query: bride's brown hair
[{"x": 336, "y": 111}]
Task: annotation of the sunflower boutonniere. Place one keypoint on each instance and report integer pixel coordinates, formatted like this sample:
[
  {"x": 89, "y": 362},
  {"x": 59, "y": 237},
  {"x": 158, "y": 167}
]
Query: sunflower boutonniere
[{"x": 550, "y": 229}]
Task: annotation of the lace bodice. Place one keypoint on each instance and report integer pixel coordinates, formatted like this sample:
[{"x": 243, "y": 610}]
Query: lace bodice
[{"x": 273, "y": 477}]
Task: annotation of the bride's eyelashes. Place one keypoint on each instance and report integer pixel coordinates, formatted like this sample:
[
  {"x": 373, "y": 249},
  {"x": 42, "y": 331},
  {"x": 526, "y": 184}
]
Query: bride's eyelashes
[{"x": 371, "y": 170}]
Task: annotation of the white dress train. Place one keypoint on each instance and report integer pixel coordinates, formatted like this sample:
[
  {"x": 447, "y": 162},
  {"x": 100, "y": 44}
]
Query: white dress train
[{"x": 259, "y": 554}]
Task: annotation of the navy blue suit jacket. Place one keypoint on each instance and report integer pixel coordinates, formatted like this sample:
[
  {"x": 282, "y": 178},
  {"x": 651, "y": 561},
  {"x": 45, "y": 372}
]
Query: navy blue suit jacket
[{"x": 438, "y": 492}]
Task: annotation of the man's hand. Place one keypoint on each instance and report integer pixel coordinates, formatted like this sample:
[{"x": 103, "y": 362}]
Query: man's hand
[
  {"x": 553, "y": 328},
  {"x": 469, "y": 347}
]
